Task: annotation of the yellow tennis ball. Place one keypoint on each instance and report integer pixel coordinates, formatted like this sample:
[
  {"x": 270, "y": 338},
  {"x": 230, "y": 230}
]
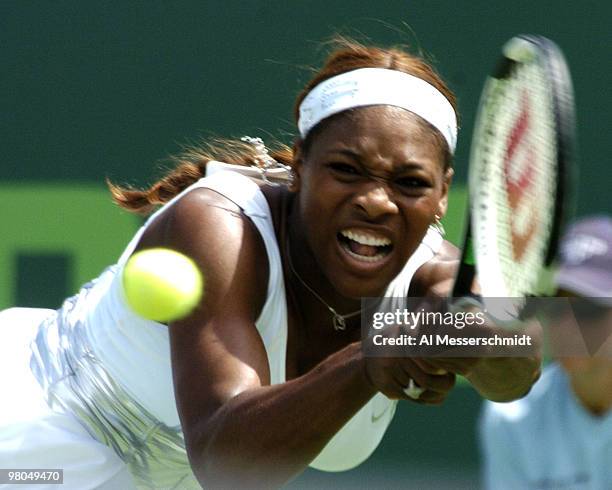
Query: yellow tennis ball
[{"x": 161, "y": 284}]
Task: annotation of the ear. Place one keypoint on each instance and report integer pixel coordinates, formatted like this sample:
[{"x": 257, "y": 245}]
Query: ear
[
  {"x": 297, "y": 165},
  {"x": 446, "y": 183}
]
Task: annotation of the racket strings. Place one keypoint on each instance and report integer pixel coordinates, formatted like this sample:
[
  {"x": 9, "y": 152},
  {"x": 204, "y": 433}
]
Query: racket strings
[{"x": 514, "y": 181}]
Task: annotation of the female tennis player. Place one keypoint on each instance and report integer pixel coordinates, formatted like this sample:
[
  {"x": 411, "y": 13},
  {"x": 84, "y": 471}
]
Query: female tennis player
[{"x": 267, "y": 376}]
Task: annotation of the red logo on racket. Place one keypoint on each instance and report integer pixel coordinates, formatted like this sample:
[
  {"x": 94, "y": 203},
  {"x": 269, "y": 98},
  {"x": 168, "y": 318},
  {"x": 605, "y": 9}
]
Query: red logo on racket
[{"x": 519, "y": 170}]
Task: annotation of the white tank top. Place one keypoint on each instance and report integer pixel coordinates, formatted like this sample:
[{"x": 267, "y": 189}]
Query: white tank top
[{"x": 135, "y": 351}]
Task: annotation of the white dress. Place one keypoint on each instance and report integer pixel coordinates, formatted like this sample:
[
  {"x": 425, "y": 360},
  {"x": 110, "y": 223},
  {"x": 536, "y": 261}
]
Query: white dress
[{"x": 93, "y": 393}]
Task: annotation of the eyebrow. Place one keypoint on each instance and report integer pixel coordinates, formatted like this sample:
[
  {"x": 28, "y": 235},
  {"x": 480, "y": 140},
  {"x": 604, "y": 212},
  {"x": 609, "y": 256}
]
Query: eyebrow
[{"x": 356, "y": 156}]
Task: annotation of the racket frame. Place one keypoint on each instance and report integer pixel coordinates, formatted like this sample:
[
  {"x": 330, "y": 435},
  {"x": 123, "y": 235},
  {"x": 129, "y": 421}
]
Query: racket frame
[{"x": 527, "y": 48}]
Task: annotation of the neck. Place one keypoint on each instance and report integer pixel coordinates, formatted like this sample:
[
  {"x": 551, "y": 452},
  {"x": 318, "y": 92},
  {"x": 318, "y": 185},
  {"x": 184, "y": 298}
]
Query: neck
[{"x": 306, "y": 268}]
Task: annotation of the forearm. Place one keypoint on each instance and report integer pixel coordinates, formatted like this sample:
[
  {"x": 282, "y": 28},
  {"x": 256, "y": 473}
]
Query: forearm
[{"x": 265, "y": 436}]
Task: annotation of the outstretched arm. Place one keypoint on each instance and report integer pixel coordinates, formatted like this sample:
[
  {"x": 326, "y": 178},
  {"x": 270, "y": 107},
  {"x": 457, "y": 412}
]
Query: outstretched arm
[{"x": 239, "y": 430}]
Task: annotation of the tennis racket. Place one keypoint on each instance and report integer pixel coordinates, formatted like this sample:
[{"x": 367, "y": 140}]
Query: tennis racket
[{"x": 520, "y": 169}]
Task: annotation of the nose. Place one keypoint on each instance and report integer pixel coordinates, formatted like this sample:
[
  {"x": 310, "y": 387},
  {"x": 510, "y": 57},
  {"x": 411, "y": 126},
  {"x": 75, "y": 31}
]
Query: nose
[{"x": 377, "y": 200}]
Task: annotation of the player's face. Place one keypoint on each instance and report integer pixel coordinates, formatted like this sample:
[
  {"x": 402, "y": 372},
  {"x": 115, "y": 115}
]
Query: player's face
[{"x": 370, "y": 185}]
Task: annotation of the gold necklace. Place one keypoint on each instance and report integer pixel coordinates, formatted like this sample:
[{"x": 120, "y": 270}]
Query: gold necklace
[{"x": 339, "y": 321}]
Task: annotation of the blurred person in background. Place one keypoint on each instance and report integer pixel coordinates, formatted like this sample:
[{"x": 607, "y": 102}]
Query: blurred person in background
[{"x": 560, "y": 435}]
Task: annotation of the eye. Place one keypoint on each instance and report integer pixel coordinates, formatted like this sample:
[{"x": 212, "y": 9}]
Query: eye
[
  {"x": 344, "y": 168},
  {"x": 412, "y": 182}
]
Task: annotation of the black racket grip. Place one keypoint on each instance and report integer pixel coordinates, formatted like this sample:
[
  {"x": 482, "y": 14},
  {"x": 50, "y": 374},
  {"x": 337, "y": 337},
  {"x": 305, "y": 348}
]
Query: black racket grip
[{"x": 467, "y": 265}]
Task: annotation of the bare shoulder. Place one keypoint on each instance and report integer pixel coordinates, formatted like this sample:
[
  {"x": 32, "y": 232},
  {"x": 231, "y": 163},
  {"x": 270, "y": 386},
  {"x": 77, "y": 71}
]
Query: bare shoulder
[
  {"x": 216, "y": 234},
  {"x": 436, "y": 276},
  {"x": 217, "y": 347},
  {"x": 192, "y": 210}
]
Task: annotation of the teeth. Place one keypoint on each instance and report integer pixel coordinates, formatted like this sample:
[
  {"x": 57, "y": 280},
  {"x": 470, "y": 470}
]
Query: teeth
[
  {"x": 363, "y": 258},
  {"x": 365, "y": 239}
]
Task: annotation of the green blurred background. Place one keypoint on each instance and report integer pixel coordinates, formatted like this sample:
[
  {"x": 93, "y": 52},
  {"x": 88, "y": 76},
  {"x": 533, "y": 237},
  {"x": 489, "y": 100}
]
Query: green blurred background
[{"x": 92, "y": 90}]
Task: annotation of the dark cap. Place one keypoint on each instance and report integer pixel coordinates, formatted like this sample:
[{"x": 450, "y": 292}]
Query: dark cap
[{"x": 585, "y": 259}]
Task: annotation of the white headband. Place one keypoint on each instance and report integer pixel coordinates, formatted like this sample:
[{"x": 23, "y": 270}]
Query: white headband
[{"x": 379, "y": 86}]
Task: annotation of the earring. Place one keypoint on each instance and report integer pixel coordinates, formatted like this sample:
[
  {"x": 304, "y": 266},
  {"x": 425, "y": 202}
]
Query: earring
[{"x": 438, "y": 226}]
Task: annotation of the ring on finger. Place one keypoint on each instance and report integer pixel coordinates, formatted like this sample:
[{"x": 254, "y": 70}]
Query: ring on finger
[{"x": 413, "y": 390}]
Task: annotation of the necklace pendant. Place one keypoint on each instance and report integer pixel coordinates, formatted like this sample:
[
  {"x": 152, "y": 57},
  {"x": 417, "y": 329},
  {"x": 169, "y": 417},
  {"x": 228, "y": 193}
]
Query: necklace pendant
[{"x": 339, "y": 322}]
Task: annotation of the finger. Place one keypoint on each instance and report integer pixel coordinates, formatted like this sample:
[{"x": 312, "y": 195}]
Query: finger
[
  {"x": 405, "y": 385},
  {"x": 438, "y": 383},
  {"x": 429, "y": 366},
  {"x": 402, "y": 376},
  {"x": 396, "y": 381},
  {"x": 409, "y": 389},
  {"x": 461, "y": 366},
  {"x": 429, "y": 397},
  {"x": 442, "y": 383},
  {"x": 432, "y": 398}
]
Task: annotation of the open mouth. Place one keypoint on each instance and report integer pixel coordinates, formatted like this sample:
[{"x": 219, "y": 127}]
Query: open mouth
[{"x": 364, "y": 246}]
